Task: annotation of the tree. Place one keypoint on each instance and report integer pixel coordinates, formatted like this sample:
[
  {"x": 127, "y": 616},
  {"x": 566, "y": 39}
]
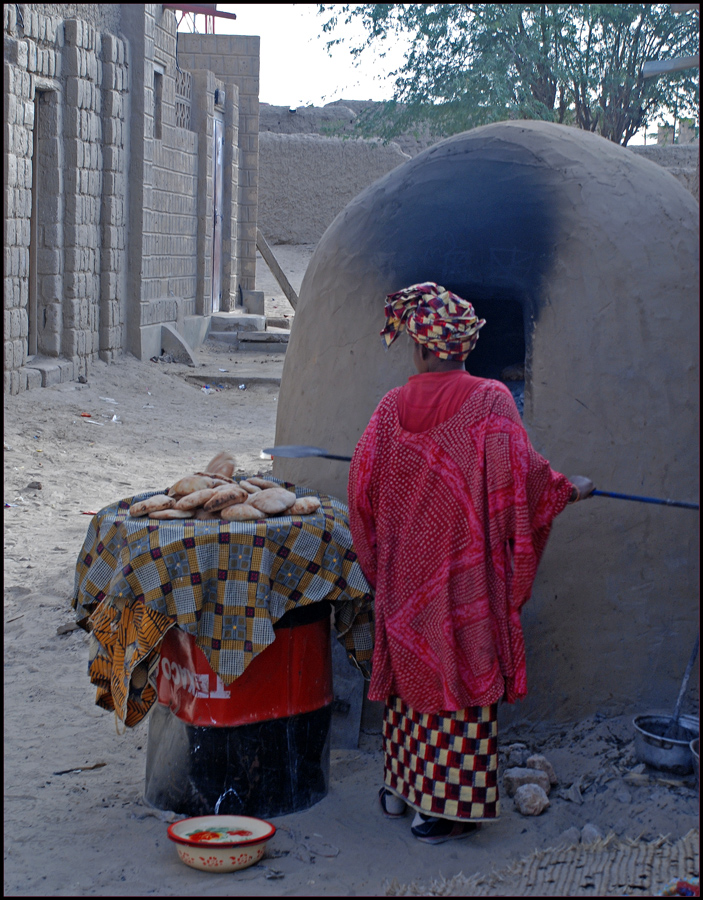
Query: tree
[{"x": 579, "y": 64}]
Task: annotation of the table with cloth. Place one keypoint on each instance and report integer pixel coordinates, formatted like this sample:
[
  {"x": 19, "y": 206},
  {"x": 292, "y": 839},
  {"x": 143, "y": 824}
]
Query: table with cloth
[{"x": 224, "y": 583}]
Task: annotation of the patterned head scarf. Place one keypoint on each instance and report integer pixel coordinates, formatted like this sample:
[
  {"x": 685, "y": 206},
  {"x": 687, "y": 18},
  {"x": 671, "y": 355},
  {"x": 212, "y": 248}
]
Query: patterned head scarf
[{"x": 433, "y": 316}]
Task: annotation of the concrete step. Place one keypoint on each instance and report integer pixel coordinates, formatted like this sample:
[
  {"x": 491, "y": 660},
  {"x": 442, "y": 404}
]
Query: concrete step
[
  {"x": 259, "y": 341},
  {"x": 237, "y": 321}
]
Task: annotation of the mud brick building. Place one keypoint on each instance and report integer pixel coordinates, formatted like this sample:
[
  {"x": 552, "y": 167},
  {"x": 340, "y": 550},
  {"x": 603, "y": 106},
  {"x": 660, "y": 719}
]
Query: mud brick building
[{"x": 130, "y": 184}]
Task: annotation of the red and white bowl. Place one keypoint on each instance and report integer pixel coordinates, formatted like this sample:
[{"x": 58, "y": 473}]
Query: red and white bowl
[{"x": 221, "y": 843}]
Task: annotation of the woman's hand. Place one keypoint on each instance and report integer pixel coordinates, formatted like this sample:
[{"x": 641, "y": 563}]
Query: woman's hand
[{"x": 583, "y": 485}]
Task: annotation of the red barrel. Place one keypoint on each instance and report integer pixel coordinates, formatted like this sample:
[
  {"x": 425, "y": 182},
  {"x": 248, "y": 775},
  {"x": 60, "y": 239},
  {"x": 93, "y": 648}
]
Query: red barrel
[
  {"x": 291, "y": 676},
  {"x": 258, "y": 746}
]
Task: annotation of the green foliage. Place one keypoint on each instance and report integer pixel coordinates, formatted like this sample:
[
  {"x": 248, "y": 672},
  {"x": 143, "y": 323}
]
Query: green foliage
[{"x": 579, "y": 64}]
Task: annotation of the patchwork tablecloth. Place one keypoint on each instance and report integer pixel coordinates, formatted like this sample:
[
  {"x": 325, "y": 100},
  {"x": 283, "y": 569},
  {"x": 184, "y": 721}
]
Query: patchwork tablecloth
[{"x": 226, "y": 583}]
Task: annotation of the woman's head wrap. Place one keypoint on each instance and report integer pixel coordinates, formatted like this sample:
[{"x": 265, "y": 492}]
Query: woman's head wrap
[{"x": 445, "y": 323}]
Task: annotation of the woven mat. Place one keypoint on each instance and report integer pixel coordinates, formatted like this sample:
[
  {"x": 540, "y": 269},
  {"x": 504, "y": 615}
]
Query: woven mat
[{"x": 611, "y": 867}]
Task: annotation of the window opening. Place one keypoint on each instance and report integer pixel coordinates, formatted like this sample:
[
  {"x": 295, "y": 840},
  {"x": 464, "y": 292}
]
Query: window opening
[{"x": 158, "y": 103}]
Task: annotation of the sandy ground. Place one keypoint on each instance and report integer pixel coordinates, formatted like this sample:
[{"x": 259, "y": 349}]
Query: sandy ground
[{"x": 72, "y": 830}]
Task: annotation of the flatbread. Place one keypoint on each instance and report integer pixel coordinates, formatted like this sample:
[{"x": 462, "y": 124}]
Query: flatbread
[
  {"x": 262, "y": 482},
  {"x": 151, "y": 504},
  {"x": 196, "y": 499},
  {"x": 249, "y": 487},
  {"x": 222, "y": 464},
  {"x": 190, "y": 484},
  {"x": 273, "y": 501},
  {"x": 226, "y": 496},
  {"x": 204, "y": 515},
  {"x": 241, "y": 512},
  {"x": 304, "y": 506},
  {"x": 172, "y": 514}
]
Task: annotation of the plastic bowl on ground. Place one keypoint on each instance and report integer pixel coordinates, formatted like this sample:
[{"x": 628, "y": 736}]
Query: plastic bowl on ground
[{"x": 221, "y": 843}]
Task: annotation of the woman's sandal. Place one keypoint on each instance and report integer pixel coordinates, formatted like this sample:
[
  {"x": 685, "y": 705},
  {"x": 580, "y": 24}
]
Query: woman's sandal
[
  {"x": 433, "y": 830},
  {"x": 393, "y": 807}
]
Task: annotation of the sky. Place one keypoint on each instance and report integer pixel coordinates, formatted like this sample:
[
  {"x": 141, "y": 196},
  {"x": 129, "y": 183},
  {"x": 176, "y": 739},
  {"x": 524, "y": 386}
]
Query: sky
[{"x": 296, "y": 69}]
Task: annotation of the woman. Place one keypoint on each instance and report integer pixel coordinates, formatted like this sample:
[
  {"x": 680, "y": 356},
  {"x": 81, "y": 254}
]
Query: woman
[{"x": 450, "y": 508}]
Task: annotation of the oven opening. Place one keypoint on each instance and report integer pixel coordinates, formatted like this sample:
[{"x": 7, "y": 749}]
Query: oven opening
[{"x": 500, "y": 351}]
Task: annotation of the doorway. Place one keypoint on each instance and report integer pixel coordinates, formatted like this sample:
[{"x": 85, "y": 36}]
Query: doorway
[
  {"x": 45, "y": 274},
  {"x": 218, "y": 144}
]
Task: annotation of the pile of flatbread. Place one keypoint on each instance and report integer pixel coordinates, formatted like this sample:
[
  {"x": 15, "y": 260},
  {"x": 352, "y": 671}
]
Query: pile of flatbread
[{"x": 214, "y": 494}]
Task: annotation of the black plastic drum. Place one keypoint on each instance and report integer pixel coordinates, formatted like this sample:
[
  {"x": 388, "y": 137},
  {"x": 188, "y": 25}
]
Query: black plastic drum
[{"x": 269, "y": 764}]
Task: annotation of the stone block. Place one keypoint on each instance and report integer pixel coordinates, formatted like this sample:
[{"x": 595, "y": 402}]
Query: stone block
[
  {"x": 49, "y": 371},
  {"x": 14, "y": 331},
  {"x": 22, "y": 54},
  {"x": 48, "y": 262},
  {"x": 253, "y": 302},
  {"x": 237, "y": 321},
  {"x": 108, "y": 286},
  {"x": 71, "y": 61},
  {"x": 539, "y": 762},
  {"x": 52, "y": 287},
  {"x": 590, "y": 833},
  {"x": 31, "y": 56},
  {"x": 52, "y": 321},
  {"x": 531, "y": 800},
  {"x": 51, "y": 29},
  {"x": 109, "y": 48},
  {"x": 51, "y": 344},
  {"x": 33, "y": 377},
  {"x": 11, "y": 106},
  {"x": 19, "y": 353},
  {"x": 23, "y": 323},
  {"x": 516, "y": 777},
  {"x": 66, "y": 369}
]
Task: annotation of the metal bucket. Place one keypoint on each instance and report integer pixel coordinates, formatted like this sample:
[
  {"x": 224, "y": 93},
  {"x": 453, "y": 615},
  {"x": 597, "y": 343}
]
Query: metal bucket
[{"x": 670, "y": 754}]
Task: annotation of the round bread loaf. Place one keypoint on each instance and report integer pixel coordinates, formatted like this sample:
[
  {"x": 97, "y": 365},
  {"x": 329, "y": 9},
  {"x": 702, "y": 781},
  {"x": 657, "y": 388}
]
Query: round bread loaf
[
  {"x": 226, "y": 495},
  {"x": 151, "y": 505},
  {"x": 249, "y": 487},
  {"x": 189, "y": 484},
  {"x": 273, "y": 501},
  {"x": 196, "y": 499},
  {"x": 241, "y": 512},
  {"x": 172, "y": 514},
  {"x": 222, "y": 464},
  {"x": 304, "y": 506}
]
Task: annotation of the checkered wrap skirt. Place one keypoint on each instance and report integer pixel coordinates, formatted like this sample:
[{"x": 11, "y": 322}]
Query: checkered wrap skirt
[{"x": 443, "y": 764}]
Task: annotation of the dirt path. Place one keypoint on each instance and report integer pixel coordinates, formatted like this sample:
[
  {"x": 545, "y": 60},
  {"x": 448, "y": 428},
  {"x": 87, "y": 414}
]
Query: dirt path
[{"x": 86, "y": 831}]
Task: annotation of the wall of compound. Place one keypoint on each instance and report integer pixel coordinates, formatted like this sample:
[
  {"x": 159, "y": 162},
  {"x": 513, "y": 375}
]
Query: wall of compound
[
  {"x": 164, "y": 186},
  {"x": 109, "y": 180},
  {"x": 234, "y": 60},
  {"x": 305, "y": 180}
]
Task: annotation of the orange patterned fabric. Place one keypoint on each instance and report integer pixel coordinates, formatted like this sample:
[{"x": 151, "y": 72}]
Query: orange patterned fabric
[
  {"x": 449, "y": 525},
  {"x": 123, "y": 636}
]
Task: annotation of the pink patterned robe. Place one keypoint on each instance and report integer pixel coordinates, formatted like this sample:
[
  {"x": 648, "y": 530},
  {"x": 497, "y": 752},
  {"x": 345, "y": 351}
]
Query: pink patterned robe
[{"x": 449, "y": 525}]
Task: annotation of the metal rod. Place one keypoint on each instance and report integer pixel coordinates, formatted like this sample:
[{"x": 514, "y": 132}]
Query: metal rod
[
  {"x": 681, "y": 503},
  {"x": 684, "y": 683}
]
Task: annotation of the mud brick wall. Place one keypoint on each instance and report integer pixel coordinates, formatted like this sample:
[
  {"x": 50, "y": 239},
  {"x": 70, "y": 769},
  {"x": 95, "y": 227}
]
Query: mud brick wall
[
  {"x": 114, "y": 206},
  {"x": 108, "y": 199},
  {"x": 82, "y": 174},
  {"x": 170, "y": 225},
  {"x": 234, "y": 59}
]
